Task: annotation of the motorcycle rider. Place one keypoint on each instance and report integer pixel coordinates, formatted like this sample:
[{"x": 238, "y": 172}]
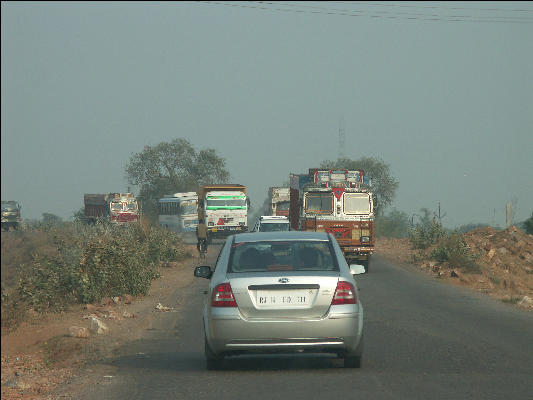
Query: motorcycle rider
[{"x": 201, "y": 234}]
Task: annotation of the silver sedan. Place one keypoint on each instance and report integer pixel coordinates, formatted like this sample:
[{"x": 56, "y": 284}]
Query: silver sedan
[{"x": 282, "y": 292}]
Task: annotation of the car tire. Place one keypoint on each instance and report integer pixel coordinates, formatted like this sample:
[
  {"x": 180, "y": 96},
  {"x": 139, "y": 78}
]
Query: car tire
[
  {"x": 213, "y": 361},
  {"x": 352, "y": 362},
  {"x": 366, "y": 264}
]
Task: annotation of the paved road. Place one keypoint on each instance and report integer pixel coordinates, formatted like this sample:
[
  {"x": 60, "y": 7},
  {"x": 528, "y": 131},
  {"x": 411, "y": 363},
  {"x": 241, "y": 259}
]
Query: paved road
[{"x": 424, "y": 340}]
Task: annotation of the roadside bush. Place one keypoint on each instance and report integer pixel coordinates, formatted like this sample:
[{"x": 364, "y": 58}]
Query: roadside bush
[
  {"x": 427, "y": 232},
  {"x": 165, "y": 246},
  {"x": 96, "y": 261},
  {"x": 11, "y": 312},
  {"x": 393, "y": 225},
  {"x": 454, "y": 250},
  {"x": 113, "y": 267},
  {"x": 48, "y": 284}
]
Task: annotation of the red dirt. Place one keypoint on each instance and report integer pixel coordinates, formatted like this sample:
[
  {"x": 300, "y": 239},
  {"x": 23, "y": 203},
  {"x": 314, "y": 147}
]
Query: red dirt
[{"x": 505, "y": 261}]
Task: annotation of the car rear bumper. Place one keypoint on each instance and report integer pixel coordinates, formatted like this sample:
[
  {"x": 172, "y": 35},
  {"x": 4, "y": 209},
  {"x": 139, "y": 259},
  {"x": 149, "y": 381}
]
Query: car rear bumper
[{"x": 229, "y": 332}]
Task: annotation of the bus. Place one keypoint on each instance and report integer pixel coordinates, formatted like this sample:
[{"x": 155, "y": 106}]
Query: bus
[{"x": 179, "y": 212}]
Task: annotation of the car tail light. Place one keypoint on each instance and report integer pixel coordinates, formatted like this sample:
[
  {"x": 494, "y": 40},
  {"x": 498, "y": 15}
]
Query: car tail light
[
  {"x": 223, "y": 296},
  {"x": 344, "y": 294}
]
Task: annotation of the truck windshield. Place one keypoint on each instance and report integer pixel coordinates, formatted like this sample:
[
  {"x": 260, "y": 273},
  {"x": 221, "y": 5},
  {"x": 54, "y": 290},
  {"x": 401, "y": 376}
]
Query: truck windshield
[
  {"x": 356, "y": 203},
  {"x": 116, "y": 206},
  {"x": 319, "y": 203},
  {"x": 229, "y": 204},
  {"x": 132, "y": 206},
  {"x": 189, "y": 208},
  {"x": 283, "y": 206}
]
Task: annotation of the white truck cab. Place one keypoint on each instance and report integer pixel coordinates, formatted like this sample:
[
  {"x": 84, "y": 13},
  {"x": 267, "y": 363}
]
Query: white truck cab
[{"x": 272, "y": 223}]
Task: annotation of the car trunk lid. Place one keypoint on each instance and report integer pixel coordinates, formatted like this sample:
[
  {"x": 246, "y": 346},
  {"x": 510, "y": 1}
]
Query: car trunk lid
[{"x": 296, "y": 295}]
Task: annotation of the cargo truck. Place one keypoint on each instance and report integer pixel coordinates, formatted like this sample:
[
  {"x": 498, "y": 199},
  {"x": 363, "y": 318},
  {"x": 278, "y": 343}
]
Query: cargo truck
[
  {"x": 224, "y": 209},
  {"x": 10, "y": 215},
  {"x": 339, "y": 202},
  {"x": 279, "y": 201},
  {"x": 115, "y": 207}
]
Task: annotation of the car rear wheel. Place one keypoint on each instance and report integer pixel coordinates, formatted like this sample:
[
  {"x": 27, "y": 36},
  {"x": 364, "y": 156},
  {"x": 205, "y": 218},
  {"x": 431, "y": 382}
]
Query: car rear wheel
[
  {"x": 352, "y": 362},
  {"x": 365, "y": 264},
  {"x": 213, "y": 361}
]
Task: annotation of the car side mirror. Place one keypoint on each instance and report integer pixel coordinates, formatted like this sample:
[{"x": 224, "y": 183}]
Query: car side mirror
[
  {"x": 356, "y": 269},
  {"x": 203, "y": 271}
]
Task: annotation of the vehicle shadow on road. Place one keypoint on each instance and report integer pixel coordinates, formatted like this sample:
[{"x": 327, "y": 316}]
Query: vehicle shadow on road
[{"x": 190, "y": 361}]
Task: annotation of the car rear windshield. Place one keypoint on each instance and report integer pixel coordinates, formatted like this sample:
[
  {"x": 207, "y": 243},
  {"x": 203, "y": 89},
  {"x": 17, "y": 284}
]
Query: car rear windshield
[
  {"x": 273, "y": 226},
  {"x": 266, "y": 256}
]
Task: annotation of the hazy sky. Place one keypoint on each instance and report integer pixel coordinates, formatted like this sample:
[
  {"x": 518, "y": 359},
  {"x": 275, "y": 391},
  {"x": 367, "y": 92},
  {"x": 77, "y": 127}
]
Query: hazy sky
[{"x": 442, "y": 92}]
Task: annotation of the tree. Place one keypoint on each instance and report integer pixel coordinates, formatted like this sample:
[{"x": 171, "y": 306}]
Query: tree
[
  {"x": 79, "y": 216},
  {"x": 528, "y": 225},
  {"x": 51, "y": 219},
  {"x": 171, "y": 167},
  {"x": 393, "y": 225},
  {"x": 384, "y": 185}
]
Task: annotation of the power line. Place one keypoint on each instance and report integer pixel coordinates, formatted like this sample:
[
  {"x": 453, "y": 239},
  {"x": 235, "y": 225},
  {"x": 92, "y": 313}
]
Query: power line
[
  {"x": 299, "y": 4},
  {"x": 432, "y": 7},
  {"x": 361, "y": 13}
]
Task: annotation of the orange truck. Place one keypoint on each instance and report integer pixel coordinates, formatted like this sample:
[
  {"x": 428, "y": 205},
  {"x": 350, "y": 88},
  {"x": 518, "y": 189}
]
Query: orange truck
[
  {"x": 339, "y": 202},
  {"x": 115, "y": 207}
]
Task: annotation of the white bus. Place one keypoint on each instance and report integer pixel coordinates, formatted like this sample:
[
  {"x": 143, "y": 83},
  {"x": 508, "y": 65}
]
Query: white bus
[{"x": 179, "y": 212}]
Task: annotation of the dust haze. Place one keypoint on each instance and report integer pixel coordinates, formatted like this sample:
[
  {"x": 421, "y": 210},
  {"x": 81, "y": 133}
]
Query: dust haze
[{"x": 446, "y": 101}]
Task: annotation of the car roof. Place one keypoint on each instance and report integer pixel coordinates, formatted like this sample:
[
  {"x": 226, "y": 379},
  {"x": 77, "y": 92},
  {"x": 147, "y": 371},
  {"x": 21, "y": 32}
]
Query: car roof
[{"x": 286, "y": 235}]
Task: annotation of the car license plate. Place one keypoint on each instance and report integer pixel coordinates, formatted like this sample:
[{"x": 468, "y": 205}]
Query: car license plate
[{"x": 283, "y": 298}]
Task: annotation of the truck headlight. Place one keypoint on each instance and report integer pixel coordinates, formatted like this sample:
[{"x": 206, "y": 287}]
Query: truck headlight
[
  {"x": 365, "y": 239},
  {"x": 210, "y": 224}
]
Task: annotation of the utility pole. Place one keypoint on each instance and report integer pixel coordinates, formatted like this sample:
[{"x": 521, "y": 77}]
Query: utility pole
[
  {"x": 342, "y": 138},
  {"x": 508, "y": 215},
  {"x": 440, "y": 216}
]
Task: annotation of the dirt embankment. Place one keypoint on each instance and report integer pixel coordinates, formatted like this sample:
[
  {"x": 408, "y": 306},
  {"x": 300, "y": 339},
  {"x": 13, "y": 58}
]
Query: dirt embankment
[
  {"x": 504, "y": 261},
  {"x": 47, "y": 350}
]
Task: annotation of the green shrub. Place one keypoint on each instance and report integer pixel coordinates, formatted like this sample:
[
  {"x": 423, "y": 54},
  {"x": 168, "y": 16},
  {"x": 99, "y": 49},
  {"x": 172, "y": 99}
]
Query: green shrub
[
  {"x": 454, "y": 250},
  {"x": 11, "y": 312},
  {"x": 114, "y": 267},
  {"x": 427, "y": 232},
  {"x": 96, "y": 261},
  {"x": 48, "y": 284}
]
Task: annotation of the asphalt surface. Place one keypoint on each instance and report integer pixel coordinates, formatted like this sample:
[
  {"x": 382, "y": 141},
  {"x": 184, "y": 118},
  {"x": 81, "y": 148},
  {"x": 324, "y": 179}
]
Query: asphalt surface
[{"x": 423, "y": 340}]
